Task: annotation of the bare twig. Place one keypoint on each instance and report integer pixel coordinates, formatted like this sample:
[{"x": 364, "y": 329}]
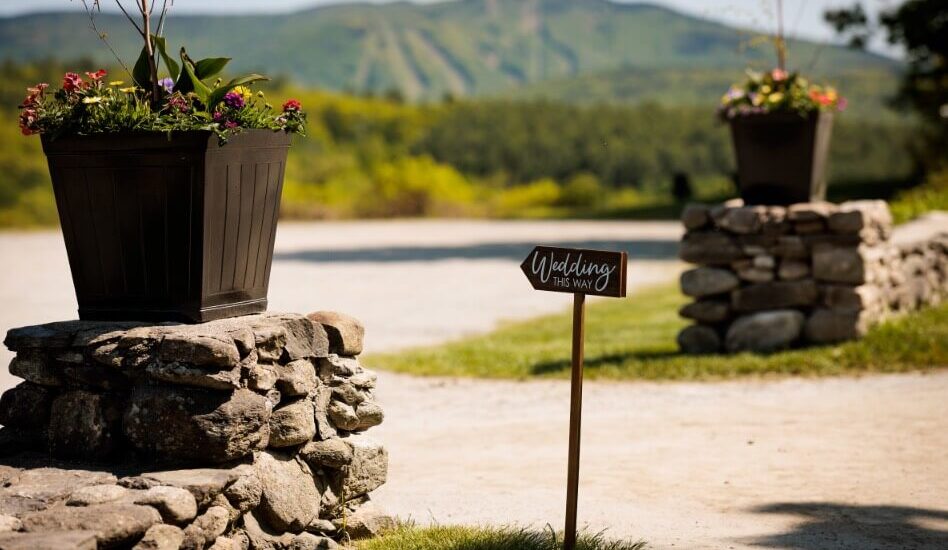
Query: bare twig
[
  {"x": 130, "y": 18},
  {"x": 103, "y": 36}
]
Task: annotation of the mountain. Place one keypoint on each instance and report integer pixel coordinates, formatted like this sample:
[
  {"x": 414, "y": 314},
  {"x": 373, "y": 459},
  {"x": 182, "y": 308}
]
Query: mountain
[{"x": 465, "y": 47}]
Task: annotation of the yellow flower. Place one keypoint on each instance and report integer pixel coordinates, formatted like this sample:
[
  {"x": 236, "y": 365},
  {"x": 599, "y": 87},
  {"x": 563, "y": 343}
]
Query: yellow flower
[
  {"x": 244, "y": 92},
  {"x": 765, "y": 89},
  {"x": 831, "y": 94},
  {"x": 116, "y": 83},
  {"x": 775, "y": 97},
  {"x": 757, "y": 100},
  {"x": 129, "y": 90},
  {"x": 92, "y": 100}
]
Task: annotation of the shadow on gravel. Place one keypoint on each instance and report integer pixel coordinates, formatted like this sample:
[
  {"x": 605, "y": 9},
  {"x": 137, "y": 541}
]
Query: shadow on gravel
[
  {"x": 637, "y": 249},
  {"x": 829, "y": 526}
]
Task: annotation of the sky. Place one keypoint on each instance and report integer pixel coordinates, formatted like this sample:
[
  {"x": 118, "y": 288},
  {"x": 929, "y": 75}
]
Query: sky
[{"x": 804, "y": 18}]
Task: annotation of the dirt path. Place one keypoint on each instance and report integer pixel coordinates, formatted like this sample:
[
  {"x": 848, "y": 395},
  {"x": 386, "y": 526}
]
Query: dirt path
[
  {"x": 411, "y": 282},
  {"x": 851, "y": 464}
]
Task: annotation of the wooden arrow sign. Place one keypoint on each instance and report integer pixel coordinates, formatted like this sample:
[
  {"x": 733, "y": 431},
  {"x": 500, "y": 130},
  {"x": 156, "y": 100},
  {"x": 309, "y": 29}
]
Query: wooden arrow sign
[
  {"x": 574, "y": 270},
  {"x": 579, "y": 272}
]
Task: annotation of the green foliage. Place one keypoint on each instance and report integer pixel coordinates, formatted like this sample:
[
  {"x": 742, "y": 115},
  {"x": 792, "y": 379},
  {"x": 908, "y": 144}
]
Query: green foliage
[
  {"x": 635, "y": 339},
  {"x": 487, "y": 538},
  {"x": 931, "y": 195}
]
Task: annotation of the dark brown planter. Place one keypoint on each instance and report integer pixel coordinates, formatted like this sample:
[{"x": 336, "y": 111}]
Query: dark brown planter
[
  {"x": 161, "y": 228},
  {"x": 782, "y": 157}
]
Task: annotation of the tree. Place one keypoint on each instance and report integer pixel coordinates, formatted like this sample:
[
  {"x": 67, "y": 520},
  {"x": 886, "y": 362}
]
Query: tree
[{"x": 921, "y": 27}]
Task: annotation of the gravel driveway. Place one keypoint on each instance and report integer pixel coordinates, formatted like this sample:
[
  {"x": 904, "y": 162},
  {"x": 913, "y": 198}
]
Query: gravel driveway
[{"x": 847, "y": 463}]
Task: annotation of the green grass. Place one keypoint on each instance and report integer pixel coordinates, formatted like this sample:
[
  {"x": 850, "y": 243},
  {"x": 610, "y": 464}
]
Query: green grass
[
  {"x": 931, "y": 195},
  {"x": 635, "y": 339},
  {"x": 485, "y": 538}
]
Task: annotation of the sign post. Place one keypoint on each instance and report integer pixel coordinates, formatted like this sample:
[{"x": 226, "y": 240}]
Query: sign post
[{"x": 580, "y": 272}]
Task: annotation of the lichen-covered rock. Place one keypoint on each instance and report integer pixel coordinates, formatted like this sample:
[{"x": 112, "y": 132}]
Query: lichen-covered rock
[
  {"x": 370, "y": 414},
  {"x": 368, "y": 469},
  {"x": 297, "y": 378},
  {"x": 203, "y": 483},
  {"x": 343, "y": 415},
  {"x": 331, "y": 453},
  {"x": 244, "y": 494},
  {"x": 210, "y": 350},
  {"x": 84, "y": 425},
  {"x": 366, "y": 522},
  {"x": 194, "y": 425},
  {"x": 309, "y": 541},
  {"x": 175, "y": 504},
  {"x": 290, "y": 499},
  {"x": 26, "y": 407},
  {"x": 186, "y": 375},
  {"x": 33, "y": 366},
  {"x": 114, "y": 525},
  {"x": 206, "y": 528},
  {"x": 345, "y": 333},
  {"x": 292, "y": 424}
]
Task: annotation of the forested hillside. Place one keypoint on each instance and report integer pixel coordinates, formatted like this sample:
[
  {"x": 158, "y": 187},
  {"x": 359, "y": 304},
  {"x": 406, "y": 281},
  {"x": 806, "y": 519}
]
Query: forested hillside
[{"x": 461, "y": 48}]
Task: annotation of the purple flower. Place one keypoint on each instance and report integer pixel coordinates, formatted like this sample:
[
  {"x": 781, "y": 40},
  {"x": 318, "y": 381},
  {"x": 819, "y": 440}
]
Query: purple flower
[
  {"x": 230, "y": 125},
  {"x": 234, "y": 100},
  {"x": 167, "y": 84},
  {"x": 218, "y": 116}
]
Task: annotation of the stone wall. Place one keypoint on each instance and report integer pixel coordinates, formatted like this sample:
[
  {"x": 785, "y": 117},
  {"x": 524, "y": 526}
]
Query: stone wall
[
  {"x": 772, "y": 277},
  {"x": 241, "y": 433}
]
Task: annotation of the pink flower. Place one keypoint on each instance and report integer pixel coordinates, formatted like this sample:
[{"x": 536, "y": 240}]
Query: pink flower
[
  {"x": 218, "y": 116},
  {"x": 72, "y": 82},
  {"x": 779, "y": 75},
  {"x": 230, "y": 125},
  {"x": 292, "y": 105},
  {"x": 34, "y": 94},
  {"x": 28, "y": 122},
  {"x": 97, "y": 76},
  {"x": 842, "y": 104}
]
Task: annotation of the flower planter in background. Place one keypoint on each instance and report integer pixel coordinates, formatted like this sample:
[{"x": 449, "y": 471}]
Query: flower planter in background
[
  {"x": 169, "y": 229},
  {"x": 782, "y": 157}
]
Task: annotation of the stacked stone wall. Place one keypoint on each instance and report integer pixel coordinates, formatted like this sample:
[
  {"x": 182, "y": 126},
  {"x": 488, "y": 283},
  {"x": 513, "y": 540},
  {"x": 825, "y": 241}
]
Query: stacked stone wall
[
  {"x": 772, "y": 277},
  {"x": 245, "y": 433}
]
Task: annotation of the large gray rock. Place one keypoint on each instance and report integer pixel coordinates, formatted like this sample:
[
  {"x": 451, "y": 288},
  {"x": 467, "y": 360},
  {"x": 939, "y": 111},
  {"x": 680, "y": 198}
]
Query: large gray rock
[
  {"x": 707, "y": 281},
  {"x": 52, "y": 540},
  {"x": 84, "y": 425},
  {"x": 197, "y": 347},
  {"x": 204, "y": 484},
  {"x": 695, "y": 216},
  {"x": 33, "y": 366},
  {"x": 775, "y": 295},
  {"x": 370, "y": 414},
  {"x": 792, "y": 270},
  {"x": 826, "y": 326},
  {"x": 114, "y": 525},
  {"x": 96, "y": 494},
  {"x": 175, "y": 504},
  {"x": 309, "y": 541},
  {"x": 699, "y": 340},
  {"x": 290, "y": 499},
  {"x": 161, "y": 537},
  {"x": 332, "y": 453},
  {"x": 183, "y": 374},
  {"x": 297, "y": 378},
  {"x": 345, "y": 333},
  {"x": 856, "y": 216},
  {"x": 764, "y": 332},
  {"x": 707, "y": 311},
  {"x": 368, "y": 469},
  {"x": 840, "y": 264},
  {"x": 195, "y": 425},
  {"x": 26, "y": 407},
  {"x": 293, "y": 424},
  {"x": 343, "y": 415},
  {"x": 304, "y": 338},
  {"x": 851, "y": 298},
  {"x": 743, "y": 220},
  {"x": 366, "y": 522},
  {"x": 810, "y": 211},
  {"x": 709, "y": 248},
  {"x": 206, "y": 528}
]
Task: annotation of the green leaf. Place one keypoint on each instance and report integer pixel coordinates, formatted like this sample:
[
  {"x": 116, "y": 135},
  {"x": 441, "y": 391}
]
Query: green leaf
[
  {"x": 210, "y": 67},
  {"x": 142, "y": 72},
  {"x": 218, "y": 94},
  {"x": 199, "y": 88},
  {"x": 173, "y": 68}
]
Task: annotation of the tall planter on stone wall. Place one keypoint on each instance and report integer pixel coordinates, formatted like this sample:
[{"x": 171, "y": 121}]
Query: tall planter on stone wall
[
  {"x": 781, "y": 127},
  {"x": 168, "y": 185}
]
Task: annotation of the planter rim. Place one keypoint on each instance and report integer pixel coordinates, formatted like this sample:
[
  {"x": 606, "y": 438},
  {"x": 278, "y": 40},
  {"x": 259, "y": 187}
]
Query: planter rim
[
  {"x": 153, "y": 140},
  {"x": 781, "y": 116}
]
